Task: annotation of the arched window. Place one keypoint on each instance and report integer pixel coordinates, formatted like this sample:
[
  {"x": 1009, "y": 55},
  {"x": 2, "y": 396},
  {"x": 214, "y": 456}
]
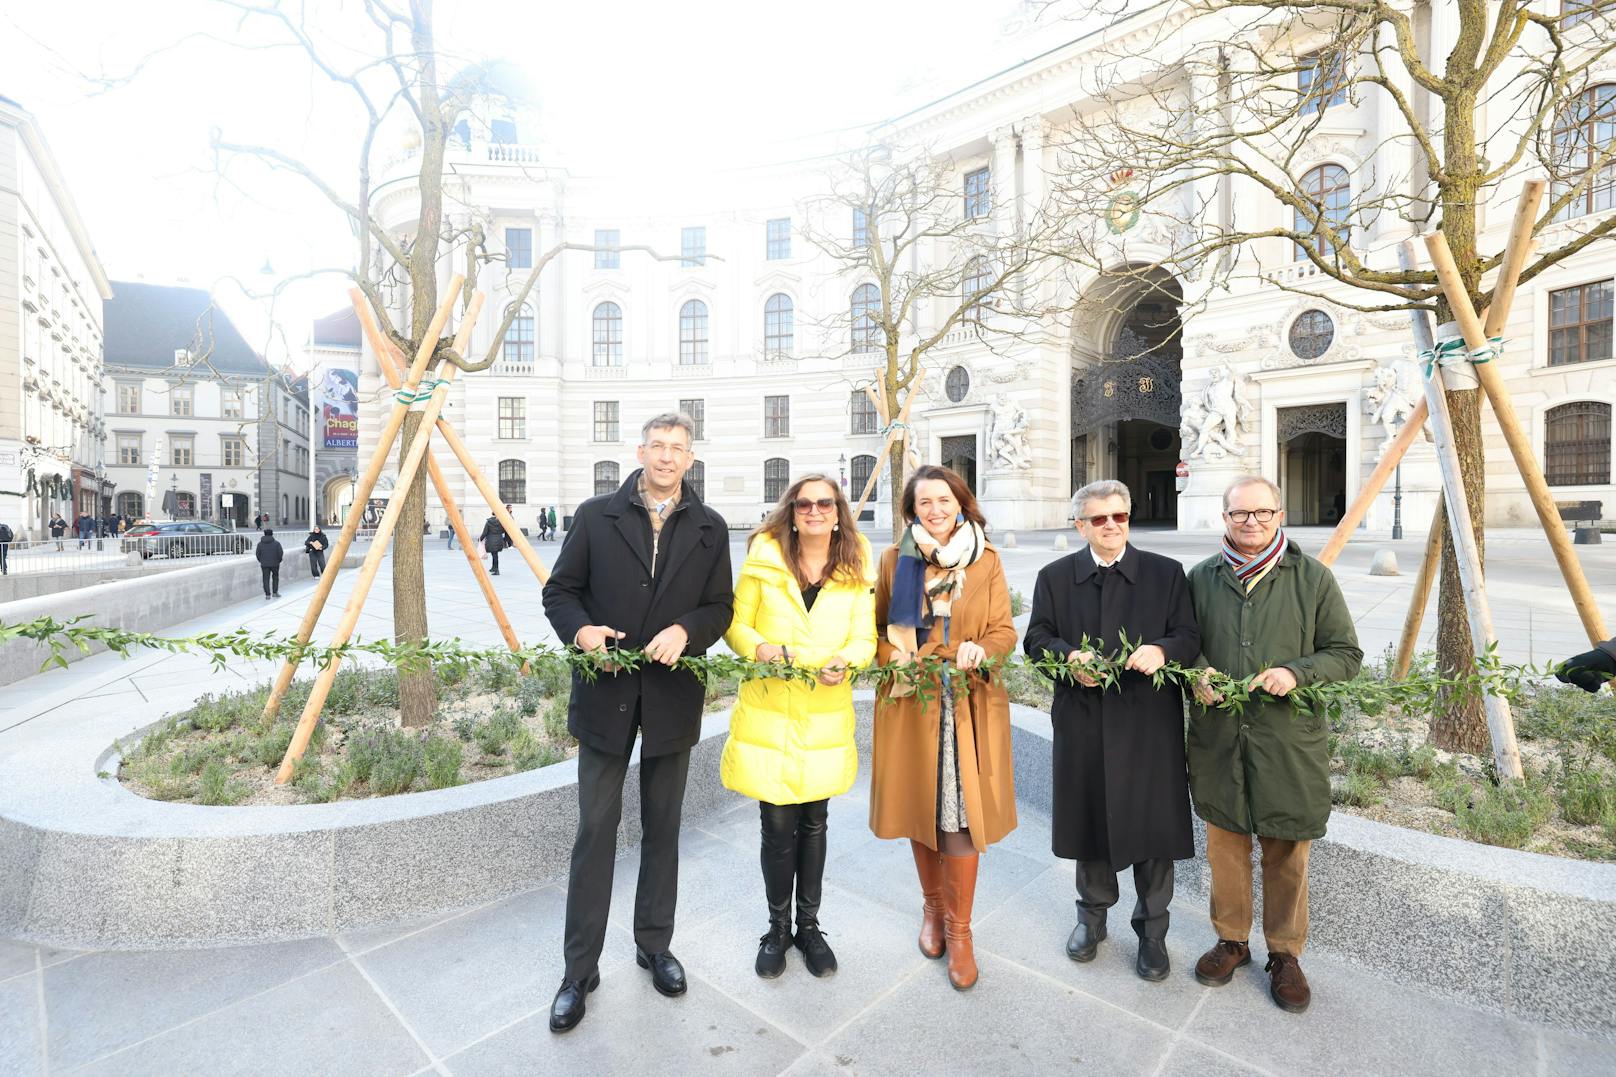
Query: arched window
[
  {"x": 513, "y": 482},
  {"x": 978, "y": 277},
  {"x": 697, "y": 478},
  {"x": 859, "y": 473},
  {"x": 286, "y": 508},
  {"x": 185, "y": 505},
  {"x": 776, "y": 477},
  {"x": 607, "y": 338},
  {"x": 1583, "y": 133},
  {"x": 1576, "y": 444},
  {"x": 1328, "y": 189},
  {"x": 779, "y": 325},
  {"x": 606, "y": 480},
  {"x": 693, "y": 333},
  {"x": 866, "y": 328},
  {"x": 129, "y": 504},
  {"x": 518, "y": 346}
]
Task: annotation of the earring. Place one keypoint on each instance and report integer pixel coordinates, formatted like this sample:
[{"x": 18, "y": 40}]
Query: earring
[
  {"x": 835, "y": 527},
  {"x": 793, "y": 529},
  {"x": 959, "y": 517}
]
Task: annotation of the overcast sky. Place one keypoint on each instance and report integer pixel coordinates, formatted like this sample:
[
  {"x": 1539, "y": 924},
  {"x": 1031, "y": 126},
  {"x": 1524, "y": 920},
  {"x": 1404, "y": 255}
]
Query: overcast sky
[{"x": 620, "y": 83}]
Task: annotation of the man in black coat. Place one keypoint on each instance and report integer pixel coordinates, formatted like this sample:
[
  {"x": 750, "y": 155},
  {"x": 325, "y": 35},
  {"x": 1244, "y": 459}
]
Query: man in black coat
[
  {"x": 315, "y": 546},
  {"x": 270, "y": 555},
  {"x": 494, "y": 539},
  {"x": 647, "y": 568},
  {"x": 1121, "y": 795}
]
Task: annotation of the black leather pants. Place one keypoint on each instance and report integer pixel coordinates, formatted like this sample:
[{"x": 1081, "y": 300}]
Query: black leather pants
[{"x": 794, "y": 852}]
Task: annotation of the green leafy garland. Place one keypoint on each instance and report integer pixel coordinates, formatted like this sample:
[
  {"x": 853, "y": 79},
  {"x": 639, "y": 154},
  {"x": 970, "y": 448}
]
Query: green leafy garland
[{"x": 1365, "y": 694}]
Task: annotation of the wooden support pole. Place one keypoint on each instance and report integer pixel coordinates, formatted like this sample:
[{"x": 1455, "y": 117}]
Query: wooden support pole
[
  {"x": 491, "y": 495},
  {"x": 886, "y": 445},
  {"x": 408, "y": 470},
  {"x": 1492, "y": 383},
  {"x": 1375, "y": 483},
  {"x": 1422, "y": 592},
  {"x": 1500, "y": 722},
  {"x": 362, "y": 488}
]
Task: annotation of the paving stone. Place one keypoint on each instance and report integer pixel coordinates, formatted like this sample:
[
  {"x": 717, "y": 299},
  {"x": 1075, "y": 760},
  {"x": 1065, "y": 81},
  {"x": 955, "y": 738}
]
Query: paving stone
[
  {"x": 884, "y": 871},
  {"x": 331, "y": 1023},
  {"x": 104, "y": 1001},
  {"x": 1012, "y": 1022},
  {"x": 630, "y": 1029},
  {"x": 488, "y": 968},
  {"x": 20, "y": 1053},
  {"x": 714, "y": 876},
  {"x": 1392, "y": 1030},
  {"x": 1564, "y": 1052},
  {"x": 1190, "y": 1059}
]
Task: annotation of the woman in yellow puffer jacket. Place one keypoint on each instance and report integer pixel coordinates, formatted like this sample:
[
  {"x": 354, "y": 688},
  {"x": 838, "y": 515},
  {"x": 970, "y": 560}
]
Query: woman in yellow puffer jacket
[{"x": 805, "y": 597}]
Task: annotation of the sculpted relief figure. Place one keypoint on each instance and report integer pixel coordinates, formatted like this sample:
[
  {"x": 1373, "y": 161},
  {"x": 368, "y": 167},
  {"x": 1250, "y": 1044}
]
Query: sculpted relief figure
[
  {"x": 1392, "y": 398},
  {"x": 1007, "y": 436},
  {"x": 1211, "y": 418}
]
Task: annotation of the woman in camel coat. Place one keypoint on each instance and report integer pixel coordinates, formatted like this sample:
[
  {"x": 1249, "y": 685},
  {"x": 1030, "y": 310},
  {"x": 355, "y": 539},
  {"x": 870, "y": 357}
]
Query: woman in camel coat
[{"x": 964, "y": 617}]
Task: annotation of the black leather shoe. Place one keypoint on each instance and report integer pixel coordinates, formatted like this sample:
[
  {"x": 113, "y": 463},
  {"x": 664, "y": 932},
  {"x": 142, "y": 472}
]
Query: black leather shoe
[
  {"x": 568, "y": 1008},
  {"x": 772, "y": 947},
  {"x": 1084, "y": 941},
  {"x": 1152, "y": 963},
  {"x": 667, "y": 975},
  {"x": 816, "y": 952}
]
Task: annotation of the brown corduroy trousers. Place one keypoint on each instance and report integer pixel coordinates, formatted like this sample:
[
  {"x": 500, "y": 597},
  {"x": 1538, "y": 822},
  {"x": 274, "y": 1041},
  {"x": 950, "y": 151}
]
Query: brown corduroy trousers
[{"x": 1284, "y": 882}]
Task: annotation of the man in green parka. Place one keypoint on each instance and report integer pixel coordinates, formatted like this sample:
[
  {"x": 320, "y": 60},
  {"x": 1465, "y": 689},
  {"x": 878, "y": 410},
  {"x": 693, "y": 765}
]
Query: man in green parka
[{"x": 1273, "y": 617}]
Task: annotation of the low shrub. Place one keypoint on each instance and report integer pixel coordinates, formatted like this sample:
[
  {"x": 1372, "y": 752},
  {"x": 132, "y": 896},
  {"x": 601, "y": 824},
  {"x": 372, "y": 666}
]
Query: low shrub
[
  {"x": 1018, "y": 603},
  {"x": 1587, "y": 798},
  {"x": 381, "y": 690},
  {"x": 442, "y": 760},
  {"x": 217, "y": 788},
  {"x": 1361, "y": 790},
  {"x": 530, "y": 753},
  {"x": 1505, "y": 815},
  {"x": 497, "y": 731}
]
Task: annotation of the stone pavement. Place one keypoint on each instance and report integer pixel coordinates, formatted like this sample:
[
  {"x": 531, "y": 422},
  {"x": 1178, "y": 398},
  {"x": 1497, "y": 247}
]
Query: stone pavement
[{"x": 468, "y": 993}]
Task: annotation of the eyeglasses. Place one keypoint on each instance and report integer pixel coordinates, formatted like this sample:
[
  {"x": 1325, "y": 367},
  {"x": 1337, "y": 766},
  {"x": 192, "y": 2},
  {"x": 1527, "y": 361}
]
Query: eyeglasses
[
  {"x": 807, "y": 505},
  {"x": 661, "y": 448},
  {"x": 1263, "y": 516},
  {"x": 1115, "y": 517}
]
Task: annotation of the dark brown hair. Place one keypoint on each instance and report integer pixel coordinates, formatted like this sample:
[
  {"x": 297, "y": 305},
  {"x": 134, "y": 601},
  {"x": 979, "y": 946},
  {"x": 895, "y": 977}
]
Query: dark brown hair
[
  {"x": 962, "y": 493},
  {"x": 846, "y": 559}
]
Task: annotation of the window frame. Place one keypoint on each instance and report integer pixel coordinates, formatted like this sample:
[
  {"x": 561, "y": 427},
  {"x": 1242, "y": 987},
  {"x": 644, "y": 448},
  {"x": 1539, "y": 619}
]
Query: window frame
[
  {"x": 695, "y": 333},
  {"x": 606, "y": 426},
  {"x": 229, "y": 442},
  {"x": 776, "y": 478},
  {"x": 779, "y": 326},
  {"x": 177, "y": 444},
  {"x": 127, "y": 441},
  {"x": 777, "y": 239},
  {"x": 693, "y": 246},
  {"x": 182, "y": 401},
  {"x": 863, "y": 418},
  {"x": 606, "y": 334},
  {"x": 138, "y": 389},
  {"x": 1600, "y": 194},
  {"x": 856, "y": 485},
  {"x": 1584, "y": 323},
  {"x": 869, "y": 339},
  {"x": 978, "y": 190},
  {"x": 777, "y": 415},
  {"x": 508, "y": 479},
  {"x": 1582, "y": 462},
  {"x": 519, "y": 255},
  {"x": 607, "y": 254},
  {"x": 523, "y": 334},
  {"x": 510, "y": 418},
  {"x": 1308, "y": 67},
  {"x": 607, "y": 477},
  {"x": 978, "y": 275},
  {"x": 1339, "y": 217},
  {"x": 696, "y": 414}
]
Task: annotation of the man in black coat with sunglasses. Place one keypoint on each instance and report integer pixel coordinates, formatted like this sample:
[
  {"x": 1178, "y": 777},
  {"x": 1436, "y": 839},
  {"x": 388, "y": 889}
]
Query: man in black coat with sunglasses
[{"x": 645, "y": 568}]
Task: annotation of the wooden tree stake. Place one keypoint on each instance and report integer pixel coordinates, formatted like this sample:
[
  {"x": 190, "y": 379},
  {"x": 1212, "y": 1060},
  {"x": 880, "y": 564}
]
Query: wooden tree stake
[
  {"x": 1422, "y": 592},
  {"x": 1376, "y": 482}
]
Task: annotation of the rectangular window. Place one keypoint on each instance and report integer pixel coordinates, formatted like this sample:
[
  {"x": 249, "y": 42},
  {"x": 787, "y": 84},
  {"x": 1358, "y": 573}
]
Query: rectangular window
[
  {"x": 606, "y": 428},
  {"x": 232, "y": 403},
  {"x": 776, "y": 416},
  {"x": 861, "y": 228},
  {"x": 697, "y": 410},
  {"x": 693, "y": 246},
  {"x": 128, "y": 398},
  {"x": 978, "y": 193},
  {"x": 181, "y": 451},
  {"x": 1574, "y": 11},
  {"x": 1580, "y": 323},
  {"x": 180, "y": 399},
  {"x": 1322, "y": 81},
  {"x": 519, "y": 248},
  {"x": 129, "y": 449},
  {"x": 512, "y": 417},
  {"x": 606, "y": 244},
  {"x": 778, "y": 242},
  {"x": 865, "y": 418},
  {"x": 233, "y": 451}
]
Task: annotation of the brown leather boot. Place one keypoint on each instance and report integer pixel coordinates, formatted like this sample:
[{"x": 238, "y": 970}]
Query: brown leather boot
[
  {"x": 929, "y": 866},
  {"x": 1216, "y": 966},
  {"x": 1286, "y": 984},
  {"x": 959, "y": 893}
]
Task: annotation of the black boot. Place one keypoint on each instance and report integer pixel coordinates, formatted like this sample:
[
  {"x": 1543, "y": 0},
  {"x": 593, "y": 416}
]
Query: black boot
[
  {"x": 816, "y": 952},
  {"x": 779, "y": 859},
  {"x": 1086, "y": 937}
]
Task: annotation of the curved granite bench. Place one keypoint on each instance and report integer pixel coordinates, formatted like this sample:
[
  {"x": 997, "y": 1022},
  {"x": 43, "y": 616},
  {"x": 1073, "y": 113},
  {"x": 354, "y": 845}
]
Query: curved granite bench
[{"x": 84, "y": 862}]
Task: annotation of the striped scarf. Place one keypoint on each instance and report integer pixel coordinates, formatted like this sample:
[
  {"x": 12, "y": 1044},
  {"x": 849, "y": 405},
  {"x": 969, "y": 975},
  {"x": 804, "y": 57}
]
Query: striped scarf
[{"x": 1251, "y": 570}]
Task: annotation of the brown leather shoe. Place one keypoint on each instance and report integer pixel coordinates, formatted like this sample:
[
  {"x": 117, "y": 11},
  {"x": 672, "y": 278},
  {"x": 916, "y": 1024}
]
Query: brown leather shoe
[
  {"x": 1286, "y": 985},
  {"x": 929, "y": 866},
  {"x": 959, "y": 893},
  {"x": 1216, "y": 966}
]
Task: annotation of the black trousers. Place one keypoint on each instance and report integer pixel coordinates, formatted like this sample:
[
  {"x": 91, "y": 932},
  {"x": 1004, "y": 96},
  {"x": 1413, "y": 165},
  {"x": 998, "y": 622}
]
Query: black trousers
[
  {"x": 316, "y": 563},
  {"x": 794, "y": 853},
  {"x": 272, "y": 579},
  {"x": 495, "y": 555},
  {"x": 594, "y": 852},
  {"x": 5, "y": 552},
  {"x": 1152, "y": 882}
]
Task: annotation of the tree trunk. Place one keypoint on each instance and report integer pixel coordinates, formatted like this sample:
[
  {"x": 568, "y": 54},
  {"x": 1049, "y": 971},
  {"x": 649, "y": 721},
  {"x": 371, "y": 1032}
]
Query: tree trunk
[
  {"x": 417, "y": 688},
  {"x": 1460, "y": 724}
]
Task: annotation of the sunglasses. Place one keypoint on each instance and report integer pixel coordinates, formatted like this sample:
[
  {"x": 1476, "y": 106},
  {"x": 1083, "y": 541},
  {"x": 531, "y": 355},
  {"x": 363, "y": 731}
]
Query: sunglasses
[
  {"x": 824, "y": 504},
  {"x": 1115, "y": 517}
]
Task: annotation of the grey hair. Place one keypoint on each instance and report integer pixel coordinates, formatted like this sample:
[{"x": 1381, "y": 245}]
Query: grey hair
[
  {"x": 1099, "y": 490},
  {"x": 670, "y": 420},
  {"x": 1254, "y": 480}
]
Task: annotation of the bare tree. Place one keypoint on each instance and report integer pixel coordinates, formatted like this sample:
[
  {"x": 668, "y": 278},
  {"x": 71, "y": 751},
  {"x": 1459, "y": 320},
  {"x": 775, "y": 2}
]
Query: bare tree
[
  {"x": 1219, "y": 117},
  {"x": 921, "y": 258}
]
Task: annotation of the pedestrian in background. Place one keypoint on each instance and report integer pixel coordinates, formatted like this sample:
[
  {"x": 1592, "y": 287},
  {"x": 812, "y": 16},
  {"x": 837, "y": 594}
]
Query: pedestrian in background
[
  {"x": 6, "y": 538},
  {"x": 270, "y": 555},
  {"x": 315, "y": 546},
  {"x": 58, "y": 528},
  {"x": 494, "y": 539}
]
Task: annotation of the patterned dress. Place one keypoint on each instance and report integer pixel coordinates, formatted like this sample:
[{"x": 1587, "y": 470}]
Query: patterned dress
[{"x": 950, "y": 797}]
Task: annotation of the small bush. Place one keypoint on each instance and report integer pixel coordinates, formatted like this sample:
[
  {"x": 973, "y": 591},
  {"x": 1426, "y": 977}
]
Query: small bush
[
  {"x": 494, "y": 734},
  {"x": 1028, "y": 687},
  {"x": 1379, "y": 767},
  {"x": 214, "y": 714},
  {"x": 1360, "y": 791},
  {"x": 554, "y": 677},
  {"x": 398, "y": 767},
  {"x": 382, "y": 688},
  {"x": 1505, "y": 815},
  {"x": 271, "y": 746},
  {"x": 347, "y": 692},
  {"x": 530, "y": 753},
  {"x": 217, "y": 788},
  {"x": 555, "y": 723},
  {"x": 499, "y": 676},
  {"x": 464, "y": 726},
  {"x": 316, "y": 787},
  {"x": 1018, "y": 603},
  {"x": 442, "y": 761},
  {"x": 1566, "y": 713},
  {"x": 1587, "y": 798},
  {"x": 529, "y": 695}
]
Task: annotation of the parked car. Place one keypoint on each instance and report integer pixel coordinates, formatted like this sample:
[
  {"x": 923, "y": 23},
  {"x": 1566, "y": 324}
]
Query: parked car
[{"x": 187, "y": 538}]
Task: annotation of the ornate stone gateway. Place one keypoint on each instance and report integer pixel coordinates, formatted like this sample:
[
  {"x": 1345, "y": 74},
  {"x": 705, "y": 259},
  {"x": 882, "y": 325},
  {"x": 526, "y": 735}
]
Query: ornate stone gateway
[
  {"x": 1313, "y": 463},
  {"x": 959, "y": 455},
  {"x": 1125, "y": 417}
]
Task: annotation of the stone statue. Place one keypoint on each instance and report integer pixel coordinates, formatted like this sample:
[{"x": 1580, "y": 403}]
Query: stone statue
[
  {"x": 1211, "y": 419},
  {"x": 1007, "y": 436},
  {"x": 1393, "y": 397}
]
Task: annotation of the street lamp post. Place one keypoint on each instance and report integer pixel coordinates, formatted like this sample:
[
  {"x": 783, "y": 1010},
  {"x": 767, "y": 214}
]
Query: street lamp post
[
  {"x": 841, "y": 468},
  {"x": 1397, "y": 504},
  {"x": 173, "y": 495}
]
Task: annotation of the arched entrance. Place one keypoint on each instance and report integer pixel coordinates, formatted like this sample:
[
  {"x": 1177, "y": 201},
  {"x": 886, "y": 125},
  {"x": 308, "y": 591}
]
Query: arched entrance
[
  {"x": 1313, "y": 463},
  {"x": 234, "y": 509},
  {"x": 336, "y": 500},
  {"x": 1126, "y": 371}
]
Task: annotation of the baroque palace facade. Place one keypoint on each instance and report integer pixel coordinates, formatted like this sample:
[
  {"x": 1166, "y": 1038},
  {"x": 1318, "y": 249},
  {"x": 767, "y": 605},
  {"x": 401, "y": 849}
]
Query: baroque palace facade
[{"x": 748, "y": 329}]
